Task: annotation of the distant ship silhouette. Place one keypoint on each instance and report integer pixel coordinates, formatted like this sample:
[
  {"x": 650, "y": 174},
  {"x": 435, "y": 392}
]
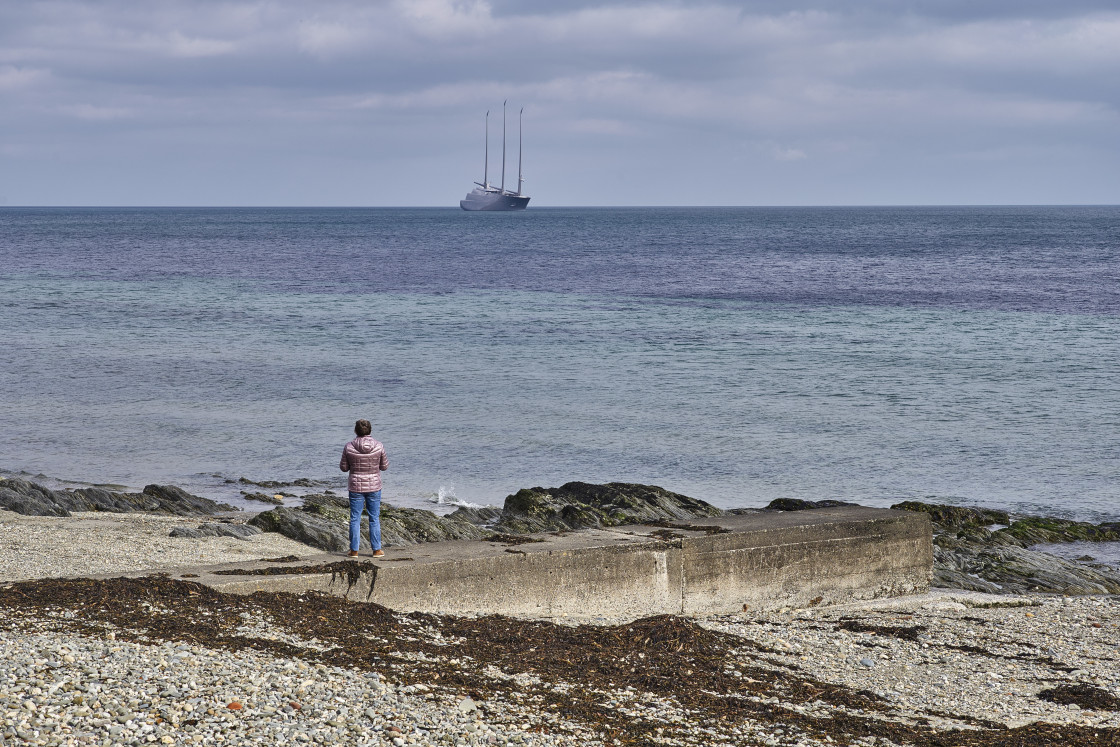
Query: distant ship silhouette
[{"x": 486, "y": 197}]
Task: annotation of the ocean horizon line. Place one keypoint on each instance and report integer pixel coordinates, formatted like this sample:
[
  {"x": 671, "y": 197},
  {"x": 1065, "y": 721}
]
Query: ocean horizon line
[{"x": 852, "y": 206}]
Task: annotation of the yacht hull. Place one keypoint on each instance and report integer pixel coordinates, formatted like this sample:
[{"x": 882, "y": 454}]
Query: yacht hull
[{"x": 494, "y": 202}]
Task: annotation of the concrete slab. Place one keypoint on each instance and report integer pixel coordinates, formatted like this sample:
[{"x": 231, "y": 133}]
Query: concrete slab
[{"x": 761, "y": 561}]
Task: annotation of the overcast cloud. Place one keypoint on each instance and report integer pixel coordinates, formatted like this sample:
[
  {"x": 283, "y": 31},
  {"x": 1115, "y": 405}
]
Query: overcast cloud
[{"x": 636, "y": 103}]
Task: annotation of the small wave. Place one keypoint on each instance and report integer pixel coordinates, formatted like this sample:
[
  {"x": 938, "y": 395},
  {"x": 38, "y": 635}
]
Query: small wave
[{"x": 445, "y": 496}]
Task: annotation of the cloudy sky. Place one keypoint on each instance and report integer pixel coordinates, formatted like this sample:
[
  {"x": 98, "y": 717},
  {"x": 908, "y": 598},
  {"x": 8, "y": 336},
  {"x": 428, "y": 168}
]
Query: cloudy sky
[{"x": 340, "y": 102}]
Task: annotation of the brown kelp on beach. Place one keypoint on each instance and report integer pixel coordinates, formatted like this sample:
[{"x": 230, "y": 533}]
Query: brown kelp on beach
[{"x": 640, "y": 683}]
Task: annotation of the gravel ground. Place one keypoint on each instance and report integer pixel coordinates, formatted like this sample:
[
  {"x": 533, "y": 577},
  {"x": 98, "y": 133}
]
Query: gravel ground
[
  {"x": 92, "y": 544},
  {"x": 940, "y": 669},
  {"x": 932, "y": 655}
]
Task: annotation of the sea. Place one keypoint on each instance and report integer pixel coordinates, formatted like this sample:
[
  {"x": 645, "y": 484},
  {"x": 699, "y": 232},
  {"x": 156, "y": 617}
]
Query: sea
[{"x": 962, "y": 355}]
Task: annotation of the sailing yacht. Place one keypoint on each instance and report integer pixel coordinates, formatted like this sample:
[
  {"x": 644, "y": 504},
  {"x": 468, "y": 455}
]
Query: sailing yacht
[{"x": 487, "y": 197}]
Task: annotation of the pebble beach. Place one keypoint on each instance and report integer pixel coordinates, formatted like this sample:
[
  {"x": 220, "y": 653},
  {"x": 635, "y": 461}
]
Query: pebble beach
[{"x": 160, "y": 661}]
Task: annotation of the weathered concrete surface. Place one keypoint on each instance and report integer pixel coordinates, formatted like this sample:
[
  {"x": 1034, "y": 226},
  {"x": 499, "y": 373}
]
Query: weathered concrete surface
[{"x": 763, "y": 560}]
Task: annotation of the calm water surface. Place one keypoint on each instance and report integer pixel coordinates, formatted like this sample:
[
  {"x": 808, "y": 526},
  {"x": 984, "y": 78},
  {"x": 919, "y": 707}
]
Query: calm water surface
[{"x": 964, "y": 355}]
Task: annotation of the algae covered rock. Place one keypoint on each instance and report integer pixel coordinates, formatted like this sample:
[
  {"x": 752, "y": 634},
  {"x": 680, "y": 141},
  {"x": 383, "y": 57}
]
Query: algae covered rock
[
  {"x": 1038, "y": 530},
  {"x": 970, "y": 552},
  {"x": 956, "y": 516},
  {"x": 581, "y": 505},
  {"x": 324, "y": 522}
]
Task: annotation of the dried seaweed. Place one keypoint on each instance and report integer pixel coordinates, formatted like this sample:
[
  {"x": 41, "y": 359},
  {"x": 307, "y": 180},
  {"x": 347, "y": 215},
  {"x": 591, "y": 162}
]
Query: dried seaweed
[
  {"x": 1083, "y": 696},
  {"x": 906, "y": 633},
  {"x": 512, "y": 539},
  {"x": 580, "y": 673},
  {"x": 705, "y": 528}
]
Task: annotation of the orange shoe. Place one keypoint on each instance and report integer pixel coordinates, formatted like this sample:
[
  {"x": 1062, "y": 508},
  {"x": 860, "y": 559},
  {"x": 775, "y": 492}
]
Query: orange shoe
[
  {"x": 378, "y": 554},
  {"x": 353, "y": 553}
]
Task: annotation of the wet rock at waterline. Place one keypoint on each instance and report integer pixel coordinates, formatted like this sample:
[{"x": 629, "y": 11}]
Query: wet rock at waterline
[
  {"x": 581, "y": 505},
  {"x": 324, "y": 522},
  {"x": 31, "y": 499}
]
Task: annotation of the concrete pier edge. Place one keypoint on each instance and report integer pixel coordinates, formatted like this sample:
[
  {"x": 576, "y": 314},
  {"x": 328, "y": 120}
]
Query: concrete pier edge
[{"x": 757, "y": 561}]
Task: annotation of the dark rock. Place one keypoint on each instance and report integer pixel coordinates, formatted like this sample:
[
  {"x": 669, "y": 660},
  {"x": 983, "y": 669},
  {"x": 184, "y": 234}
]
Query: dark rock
[
  {"x": 956, "y": 516},
  {"x": 33, "y": 499},
  {"x": 969, "y": 555},
  {"x": 1016, "y": 570},
  {"x": 99, "y": 499},
  {"x": 411, "y": 526},
  {"x": 302, "y": 482},
  {"x": 478, "y": 516},
  {"x": 324, "y": 522},
  {"x": 263, "y": 498},
  {"x": 581, "y": 505},
  {"x": 240, "y": 531},
  {"x": 262, "y": 483},
  {"x": 1037, "y": 530},
  {"x": 309, "y": 528},
  {"x": 173, "y": 500},
  {"x": 796, "y": 504}
]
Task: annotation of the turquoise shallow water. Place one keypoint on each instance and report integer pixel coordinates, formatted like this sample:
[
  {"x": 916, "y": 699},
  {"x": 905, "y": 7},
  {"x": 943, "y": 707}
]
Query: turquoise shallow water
[{"x": 995, "y": 385}]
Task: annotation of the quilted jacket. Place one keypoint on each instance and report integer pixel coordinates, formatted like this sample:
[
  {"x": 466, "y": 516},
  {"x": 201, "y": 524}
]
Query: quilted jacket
[{"x": 364, "y": 458}]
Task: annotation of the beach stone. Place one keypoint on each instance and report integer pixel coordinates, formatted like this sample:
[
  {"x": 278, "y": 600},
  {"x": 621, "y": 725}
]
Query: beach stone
[{"x": 581, "y": 505}]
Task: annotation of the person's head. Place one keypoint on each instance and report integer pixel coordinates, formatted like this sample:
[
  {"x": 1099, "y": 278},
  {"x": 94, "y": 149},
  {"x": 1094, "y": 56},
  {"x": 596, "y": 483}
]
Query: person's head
[{"x": 362, "y": 428}]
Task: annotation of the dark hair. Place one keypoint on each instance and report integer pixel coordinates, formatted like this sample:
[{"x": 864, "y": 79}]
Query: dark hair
[{"x": 362, "y": 428}]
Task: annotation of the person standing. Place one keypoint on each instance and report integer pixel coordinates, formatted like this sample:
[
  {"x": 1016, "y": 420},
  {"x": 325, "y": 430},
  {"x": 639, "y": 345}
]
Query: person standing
[{"x": 364, "y": 458}]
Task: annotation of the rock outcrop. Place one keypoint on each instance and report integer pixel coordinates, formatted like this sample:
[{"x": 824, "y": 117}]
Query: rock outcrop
[
  {"x": 324, "y": 522},
  {"x": 985, "y": 550},
  {"x": 581, "y": 505},
  {"x": 32, "y": 499}
]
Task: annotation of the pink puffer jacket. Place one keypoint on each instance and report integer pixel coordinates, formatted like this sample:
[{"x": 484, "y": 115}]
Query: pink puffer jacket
[{"x": 364, "y": 458}]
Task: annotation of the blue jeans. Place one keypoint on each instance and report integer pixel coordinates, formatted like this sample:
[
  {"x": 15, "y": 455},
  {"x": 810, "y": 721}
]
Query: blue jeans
[{"x": 371, "y": 502}]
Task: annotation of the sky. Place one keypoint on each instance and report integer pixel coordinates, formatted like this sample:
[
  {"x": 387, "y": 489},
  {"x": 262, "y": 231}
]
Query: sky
[{"x": 367, "y": 103}]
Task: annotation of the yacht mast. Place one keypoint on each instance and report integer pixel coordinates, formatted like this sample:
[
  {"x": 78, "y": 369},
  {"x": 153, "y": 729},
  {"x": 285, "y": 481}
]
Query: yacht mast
[
  {"x": 486, "y": 168},
  {"x": 504, "y": 147},
  {"x": 520, "y": 179}
]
